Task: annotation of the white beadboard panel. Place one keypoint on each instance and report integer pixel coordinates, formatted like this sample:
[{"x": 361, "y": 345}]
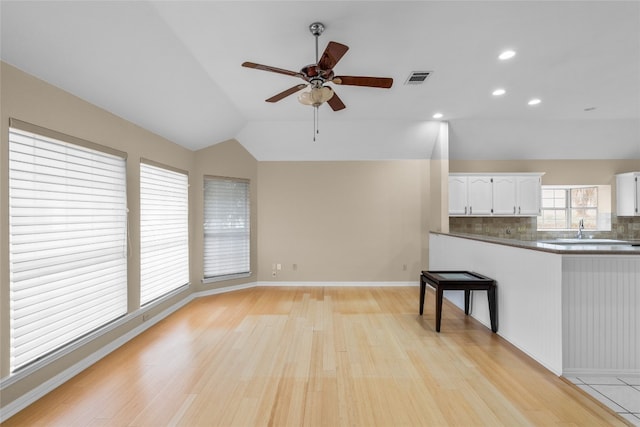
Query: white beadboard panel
[
  {"x": 529, "y": 292},
  {"x": 601, "y": 314}
]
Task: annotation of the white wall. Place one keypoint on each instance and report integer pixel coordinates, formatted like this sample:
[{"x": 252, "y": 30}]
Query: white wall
[{"x": 529, "y": 292}]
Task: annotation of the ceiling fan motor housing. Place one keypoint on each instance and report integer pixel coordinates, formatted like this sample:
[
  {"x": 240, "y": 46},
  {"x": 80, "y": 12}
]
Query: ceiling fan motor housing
[{"x": 314, "y": 72}]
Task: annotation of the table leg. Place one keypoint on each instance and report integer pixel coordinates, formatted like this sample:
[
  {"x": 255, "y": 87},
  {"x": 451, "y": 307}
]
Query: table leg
[
  {"x": 438, "y": 307},
  {"x": 423, "y": 284},
  {"x": 467, "y": 294},
  {"x": 493, "y": 308}
]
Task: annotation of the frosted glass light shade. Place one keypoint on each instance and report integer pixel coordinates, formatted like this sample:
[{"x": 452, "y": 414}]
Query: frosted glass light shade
[{"x": 316, "y": 96}]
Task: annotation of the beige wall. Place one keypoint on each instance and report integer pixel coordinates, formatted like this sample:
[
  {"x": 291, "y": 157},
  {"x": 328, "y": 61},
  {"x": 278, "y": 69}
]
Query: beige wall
[
  {"x": 341, "y": 221},
  {"x": 228, "y": 159}
]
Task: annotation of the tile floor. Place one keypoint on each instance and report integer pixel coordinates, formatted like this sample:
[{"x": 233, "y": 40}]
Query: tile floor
[{"x": 621, "y": 394}]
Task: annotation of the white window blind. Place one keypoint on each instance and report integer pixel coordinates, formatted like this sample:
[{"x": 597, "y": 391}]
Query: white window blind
[
  {"x": 164, "y": 231},
  {"x": 226, "y": 227},
  {"x": 67, "y": 242}
]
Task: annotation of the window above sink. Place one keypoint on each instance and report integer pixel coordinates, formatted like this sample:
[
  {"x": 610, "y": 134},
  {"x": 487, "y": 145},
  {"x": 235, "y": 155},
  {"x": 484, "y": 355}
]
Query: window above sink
[{"x": 563, "y": 206}]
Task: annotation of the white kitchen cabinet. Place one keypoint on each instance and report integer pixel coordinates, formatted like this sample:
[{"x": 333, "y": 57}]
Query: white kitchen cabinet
[
  {"x": 458, "y": 195},
  {"x": 528, "y": 195},
  {"x": 504, "y": 195},
  {"x": 480, "y": 195},
  {"x": 628, "y": 194},
  {"x": 499, "y": 194}
]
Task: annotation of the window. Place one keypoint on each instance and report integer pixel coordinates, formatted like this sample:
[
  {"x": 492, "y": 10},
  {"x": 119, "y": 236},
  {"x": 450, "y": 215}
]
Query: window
[
  {"x": 564, "y": 206},
  {"x": 226, "y": 228},
  {"x": 67, "y": 240},
  {"x": 164, "y": 231}
]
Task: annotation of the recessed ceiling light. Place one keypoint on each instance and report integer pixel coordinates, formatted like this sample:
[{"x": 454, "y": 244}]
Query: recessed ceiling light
[
  {"x": 534, "y": 101},
  {"x": 437, "y": 116},
  {"x": 507, "y": 54},
  {"x": 498, "y": 92}
]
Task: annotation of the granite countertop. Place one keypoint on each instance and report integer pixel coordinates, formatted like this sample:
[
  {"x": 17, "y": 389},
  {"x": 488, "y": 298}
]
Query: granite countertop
[{"x": 628, "y": 247}]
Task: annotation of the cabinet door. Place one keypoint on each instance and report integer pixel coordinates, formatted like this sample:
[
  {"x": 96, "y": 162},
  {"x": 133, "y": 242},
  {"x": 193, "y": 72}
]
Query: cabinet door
[
  {"x": 528, "y": 189},
  {"x": 504, "y": 195},
  {"x": 457, "y": 195},
  {"x": 627, "y": 195},
  {"x": 480, "y": 195}
]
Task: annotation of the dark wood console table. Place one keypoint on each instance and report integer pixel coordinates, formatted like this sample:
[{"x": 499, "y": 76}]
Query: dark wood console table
[{"x": 466, "y": 281}]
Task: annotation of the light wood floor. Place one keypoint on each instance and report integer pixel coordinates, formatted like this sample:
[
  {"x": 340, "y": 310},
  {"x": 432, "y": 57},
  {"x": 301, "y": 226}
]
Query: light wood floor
[{"x": 316, "y": 357}]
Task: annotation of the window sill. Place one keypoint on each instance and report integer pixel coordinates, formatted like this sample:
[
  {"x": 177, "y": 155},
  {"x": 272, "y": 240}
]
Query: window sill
[{"x": 226, "y": 277}]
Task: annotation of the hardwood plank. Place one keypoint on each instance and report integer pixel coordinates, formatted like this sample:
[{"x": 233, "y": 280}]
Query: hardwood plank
[{"x": 315, "y": 357}]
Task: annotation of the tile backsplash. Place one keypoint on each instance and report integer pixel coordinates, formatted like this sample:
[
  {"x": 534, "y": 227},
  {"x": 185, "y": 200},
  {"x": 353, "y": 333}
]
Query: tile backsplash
[{"x": 524, "y": 228}]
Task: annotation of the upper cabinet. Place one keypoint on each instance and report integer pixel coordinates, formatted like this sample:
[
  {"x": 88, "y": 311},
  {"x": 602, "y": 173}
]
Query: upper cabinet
[
  {"x": 628, "y": 194},
  {"x": 505, "y": 195},
  {"x": 458, "y": 195},
  {"x": 529, "y": 192},
  {"x": 479, "y": 195},
  {"x": 494, "y": 194}
]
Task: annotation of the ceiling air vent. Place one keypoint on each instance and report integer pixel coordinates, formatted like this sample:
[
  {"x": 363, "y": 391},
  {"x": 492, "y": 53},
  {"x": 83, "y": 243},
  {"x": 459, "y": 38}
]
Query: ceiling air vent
[{"x": 417, "y": 77}]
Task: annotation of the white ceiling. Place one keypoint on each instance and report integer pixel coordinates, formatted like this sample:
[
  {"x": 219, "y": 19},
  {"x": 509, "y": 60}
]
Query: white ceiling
[{"x": 173, "y": 67}]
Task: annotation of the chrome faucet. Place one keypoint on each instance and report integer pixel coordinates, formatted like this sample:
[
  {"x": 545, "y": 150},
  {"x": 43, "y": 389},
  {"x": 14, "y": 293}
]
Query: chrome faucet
[{"x": 580, "y": 228}]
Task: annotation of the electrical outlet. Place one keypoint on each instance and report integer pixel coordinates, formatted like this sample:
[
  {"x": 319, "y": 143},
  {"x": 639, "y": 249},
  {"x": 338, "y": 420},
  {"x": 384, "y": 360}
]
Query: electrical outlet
[
  {"x": 146, "y": 317},
  {"x": 295, "y": 267},
  {"x": 404, "y": 267}
]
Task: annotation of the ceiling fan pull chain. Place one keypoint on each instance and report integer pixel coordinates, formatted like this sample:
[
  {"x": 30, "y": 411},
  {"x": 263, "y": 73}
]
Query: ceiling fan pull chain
[{"x": 315, "y": 123}]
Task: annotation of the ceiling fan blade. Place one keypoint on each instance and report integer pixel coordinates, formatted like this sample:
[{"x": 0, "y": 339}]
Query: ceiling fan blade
[
  {"x": 332, "y": 55},
  {"x": 285, "y": 93},
  {"x": 383, "y": 82},
  {"x": 336, "y": 103},
  {"x": 272, "y": 69}
]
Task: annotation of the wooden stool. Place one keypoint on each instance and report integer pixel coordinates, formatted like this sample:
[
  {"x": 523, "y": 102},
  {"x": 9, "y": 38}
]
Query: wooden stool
[{"x": 459, "y": 281}]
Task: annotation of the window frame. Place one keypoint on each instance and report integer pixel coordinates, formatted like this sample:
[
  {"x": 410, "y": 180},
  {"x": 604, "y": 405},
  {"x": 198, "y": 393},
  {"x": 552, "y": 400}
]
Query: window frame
[
  {"x": 55, "y": 172},
  {"x": 602, "y": 208},
  {"x": 164, "y": 245},
  {"x": 244, "y": 261}
]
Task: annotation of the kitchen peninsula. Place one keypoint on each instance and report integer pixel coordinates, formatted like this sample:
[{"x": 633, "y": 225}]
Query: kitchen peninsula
[{"x": 574, "y": 308}]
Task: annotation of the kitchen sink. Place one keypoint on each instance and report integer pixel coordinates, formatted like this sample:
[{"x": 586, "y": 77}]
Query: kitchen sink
[{"x": 585, "y": 241}]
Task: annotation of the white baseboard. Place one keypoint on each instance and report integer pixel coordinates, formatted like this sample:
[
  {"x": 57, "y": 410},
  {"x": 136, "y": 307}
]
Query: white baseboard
[
  {"x": 339, "y": 284},
  {"x": 600, "y": 373},
  {"x": 38, "y": 392},
  {"x": 223, "y": 290}
]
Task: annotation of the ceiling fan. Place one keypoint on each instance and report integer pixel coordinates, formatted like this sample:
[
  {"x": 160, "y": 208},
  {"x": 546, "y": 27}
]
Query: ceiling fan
[{"x": 319, "y": 74}]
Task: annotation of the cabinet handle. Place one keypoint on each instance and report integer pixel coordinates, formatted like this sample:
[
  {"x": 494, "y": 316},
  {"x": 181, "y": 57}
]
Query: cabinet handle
[
  {"x": 518, "y": 210},
  {"x": 470, "y": 210},
  {"x": 465, "y": 210},
  {"x": 514, "y": 210}
]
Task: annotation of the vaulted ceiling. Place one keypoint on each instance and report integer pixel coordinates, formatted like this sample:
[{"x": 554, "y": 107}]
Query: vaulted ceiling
[{"x": 174, "y": 68}]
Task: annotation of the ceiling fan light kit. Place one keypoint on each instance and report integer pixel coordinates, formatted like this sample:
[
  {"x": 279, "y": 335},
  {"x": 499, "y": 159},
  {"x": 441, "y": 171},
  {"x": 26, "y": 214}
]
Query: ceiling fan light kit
[{"x": 316, "y": 96}]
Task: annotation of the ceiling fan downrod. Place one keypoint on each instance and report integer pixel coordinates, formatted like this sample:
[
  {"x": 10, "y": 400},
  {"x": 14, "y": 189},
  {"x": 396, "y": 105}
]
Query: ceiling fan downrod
[{"x": 316, "y": 30}]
